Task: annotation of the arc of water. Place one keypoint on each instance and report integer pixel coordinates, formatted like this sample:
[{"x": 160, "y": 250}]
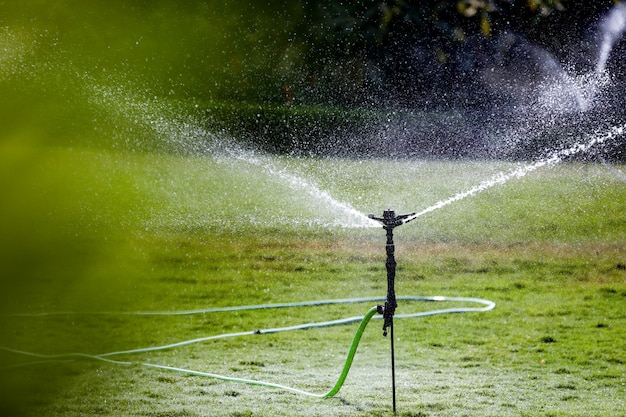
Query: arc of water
[
  {"x": 520, "y": 172},
  {"x": 612, "y": 29},
  {"x": 354, "y": 218},
  {"x": 183, "y": 130}
]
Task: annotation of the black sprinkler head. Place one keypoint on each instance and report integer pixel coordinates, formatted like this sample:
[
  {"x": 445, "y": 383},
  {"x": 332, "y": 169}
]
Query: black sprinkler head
[{"x": 390, "y": 220}]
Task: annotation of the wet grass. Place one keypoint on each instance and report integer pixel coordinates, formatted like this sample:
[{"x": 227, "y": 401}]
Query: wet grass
[
  {"x": 116, "y": 199},
  {"x": 137, "y": 232}
]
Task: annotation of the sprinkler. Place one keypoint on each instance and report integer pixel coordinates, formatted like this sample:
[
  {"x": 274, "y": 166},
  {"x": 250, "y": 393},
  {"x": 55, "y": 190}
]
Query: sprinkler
[{"x": 390, "y": 221}]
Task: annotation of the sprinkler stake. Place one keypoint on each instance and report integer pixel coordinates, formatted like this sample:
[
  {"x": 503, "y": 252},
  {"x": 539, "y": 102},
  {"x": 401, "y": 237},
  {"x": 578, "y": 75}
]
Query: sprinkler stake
[{"x": 391, "y": 221}]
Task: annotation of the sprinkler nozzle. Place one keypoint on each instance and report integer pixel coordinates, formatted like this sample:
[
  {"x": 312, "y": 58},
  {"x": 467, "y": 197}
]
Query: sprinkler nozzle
[{"x": 390, "y": 220}]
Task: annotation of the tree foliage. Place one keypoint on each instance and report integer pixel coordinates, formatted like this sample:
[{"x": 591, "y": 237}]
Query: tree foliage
[{"x": 396, "y": 50}]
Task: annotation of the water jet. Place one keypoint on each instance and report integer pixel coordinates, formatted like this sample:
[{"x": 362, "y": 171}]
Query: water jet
[{"x": 278, "y": 193}]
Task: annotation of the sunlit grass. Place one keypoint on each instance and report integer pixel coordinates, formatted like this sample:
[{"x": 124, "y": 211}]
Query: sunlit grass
[
  {"x": 116, "y": 199},
  {"x": 142, "y": 232}
]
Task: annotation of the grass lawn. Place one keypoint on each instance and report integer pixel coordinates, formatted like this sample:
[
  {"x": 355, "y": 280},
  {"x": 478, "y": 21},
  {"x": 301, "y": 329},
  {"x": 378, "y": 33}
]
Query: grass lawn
[
  {"x": 106, "y": 231},
  {"x": 118, "y": 196}
]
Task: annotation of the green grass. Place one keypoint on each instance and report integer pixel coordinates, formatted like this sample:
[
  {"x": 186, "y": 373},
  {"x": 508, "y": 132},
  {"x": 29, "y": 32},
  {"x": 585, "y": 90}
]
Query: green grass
[
  {"x": 135, "y": 232},
  {"x": 115, "y": 199}
]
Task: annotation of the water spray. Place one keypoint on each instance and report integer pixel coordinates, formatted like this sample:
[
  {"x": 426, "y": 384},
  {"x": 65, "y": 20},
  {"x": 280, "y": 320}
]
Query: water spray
[
  {"x": 612, "y": 29},
  {"x": 390, "y": 221}
]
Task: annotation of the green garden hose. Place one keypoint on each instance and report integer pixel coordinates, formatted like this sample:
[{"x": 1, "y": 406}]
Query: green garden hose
[
  {"x": 364, "y": 320},
  {"x": 351, "y": 353},
  {"x": 334, "y": 390}
]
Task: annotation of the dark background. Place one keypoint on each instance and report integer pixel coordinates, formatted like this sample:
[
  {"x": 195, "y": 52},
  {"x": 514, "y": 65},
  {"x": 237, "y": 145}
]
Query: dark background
[{"x": 396, "y": 78}]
